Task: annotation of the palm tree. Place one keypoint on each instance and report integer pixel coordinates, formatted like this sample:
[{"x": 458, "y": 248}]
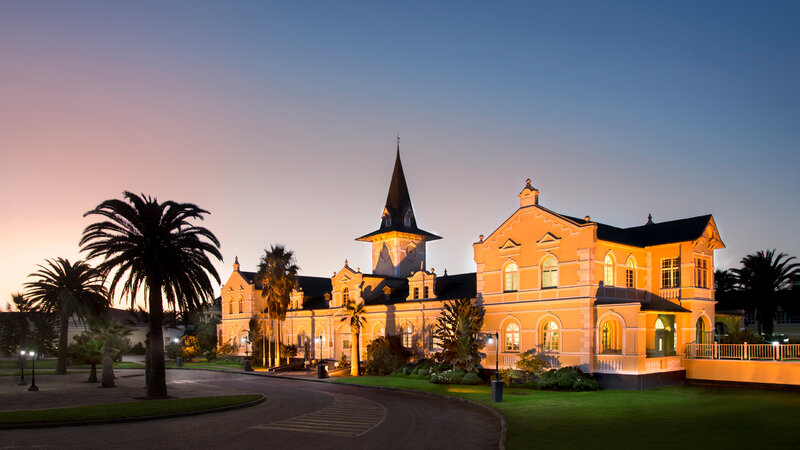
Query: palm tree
[
  {"x": 764, "y": 278},
  {"x": 153, "y": 246},
  {"x": 353, "y": 312},
  {"x": 277, "y": 272},
  {"x": 90, "y": 351},
  {"x": 110, "y": 333},
  {"x": 458, "y": 331},
  {"x": 67, "y": 289}
]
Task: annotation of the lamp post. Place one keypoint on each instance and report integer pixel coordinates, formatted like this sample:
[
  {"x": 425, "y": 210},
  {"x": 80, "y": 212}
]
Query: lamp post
[
  {"x": 247, "y": 366},
  {"x": 22, "y": 381},
  {"x": 33, "y": 387},
  {"x": 497, "y": 385},
  {"x": 179, "y": 358}
]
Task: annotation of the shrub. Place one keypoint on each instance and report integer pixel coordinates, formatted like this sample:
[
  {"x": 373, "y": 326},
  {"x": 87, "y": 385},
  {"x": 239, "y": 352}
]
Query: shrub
[
  {"x": 172, "y": 350},
  {"x": 511, "y": 376},
  {"x": 448, "y": 377},
  {"x": 190, "y": 347},
  {"x": 210, "y": 355},
  {"x": 567, "y": 378},
  {"x": 138, "y": 349},
  {"x": 343, "y": 363},
  {"x": 385, "y": 355},
  {"x": 471, "y": 378},
  {"x": 531, "y": 363}
]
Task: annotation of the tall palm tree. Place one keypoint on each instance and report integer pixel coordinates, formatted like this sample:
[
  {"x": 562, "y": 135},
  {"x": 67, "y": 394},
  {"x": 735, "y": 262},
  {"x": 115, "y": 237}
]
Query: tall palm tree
[
  {"x": 764, "y": 279},
  {"x": 277, "y": 272},
  {"x": 353, "y": 312},
  {"x": 67, "y": 289},
  {"x": 111, "y": 333},
  {"x": 140, "y": 315},
  {"x": 154, "y": 247}
]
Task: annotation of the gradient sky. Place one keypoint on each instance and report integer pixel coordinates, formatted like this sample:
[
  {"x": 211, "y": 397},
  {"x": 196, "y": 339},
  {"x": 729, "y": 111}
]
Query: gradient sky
[{"x": 280, "y": 118}]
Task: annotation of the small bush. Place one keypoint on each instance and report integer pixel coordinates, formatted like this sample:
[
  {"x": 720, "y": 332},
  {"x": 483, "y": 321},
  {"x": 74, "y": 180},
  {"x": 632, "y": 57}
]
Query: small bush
[
  {"x": 471, "y": 378},
  {"x": 210, "y": 355},
  {"x": 343, "y": 363},
  {"x": 448, "y": 377},
  {"x": 567, "y": 378},
  {"x": 511, "y": 376},
  {"x": 138, "y": 349},
  {"x": 172, "y": 350}
]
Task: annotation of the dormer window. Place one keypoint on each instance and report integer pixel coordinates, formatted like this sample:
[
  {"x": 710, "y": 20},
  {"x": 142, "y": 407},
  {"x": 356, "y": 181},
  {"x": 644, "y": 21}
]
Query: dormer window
[
  {"x": 416, "y": 293},
  {"x": 407, "y": 219},
  {"x": 345, "y": 295},
  {"x": 425, "y": 292}
]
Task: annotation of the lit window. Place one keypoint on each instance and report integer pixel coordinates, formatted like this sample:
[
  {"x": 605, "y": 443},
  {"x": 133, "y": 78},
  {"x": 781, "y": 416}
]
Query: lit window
[
  {"x": 511, "y": 277},
  {"x": 701, "y": 272},
  {"x": 345, "y": 295},
  {"x": 608, "y": 271},
  {"x": 512, "y": 337},
  {"x": 670, "y": 273},
  {"x": 550, "y": 337},
  {"x": 549, "y": 272},
  {"x": 408, "y": 336},
  {"x": 610, "y": 337},
  {"x": 700, "y": 335},
  {"x": 630, "y": 273}
]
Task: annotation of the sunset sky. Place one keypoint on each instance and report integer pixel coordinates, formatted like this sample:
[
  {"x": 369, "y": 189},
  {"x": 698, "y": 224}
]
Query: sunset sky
[{"x": 280, "y": 118}]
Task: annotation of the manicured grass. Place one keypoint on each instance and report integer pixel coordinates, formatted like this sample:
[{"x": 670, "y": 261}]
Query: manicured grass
[
  {"x": 657, "y": 418},
  {"x": 10, "y": 368},
  {"x": 124, "y": 410}
]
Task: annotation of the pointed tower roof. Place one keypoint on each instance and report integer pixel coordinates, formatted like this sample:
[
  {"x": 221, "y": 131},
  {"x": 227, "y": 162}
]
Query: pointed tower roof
[{"x": 398, "y": 214}]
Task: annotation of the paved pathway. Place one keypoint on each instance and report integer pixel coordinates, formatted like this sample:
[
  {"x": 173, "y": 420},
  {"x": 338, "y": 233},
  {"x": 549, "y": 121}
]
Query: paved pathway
[{"x": 299, "y": 414}]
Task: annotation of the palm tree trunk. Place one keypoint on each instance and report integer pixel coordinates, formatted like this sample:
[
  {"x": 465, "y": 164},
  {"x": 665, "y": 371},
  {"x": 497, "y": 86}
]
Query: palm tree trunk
[
  {"x": 354, "y": 353},
  {"x": 157, "y": 388},
  {"x": 277, "y": 343},
  {"x": 63, "y": 337},
  {"x": 147, "y": 359},
  {"x": 108, "y": 366},
  {"x": 93, "y": 373}
]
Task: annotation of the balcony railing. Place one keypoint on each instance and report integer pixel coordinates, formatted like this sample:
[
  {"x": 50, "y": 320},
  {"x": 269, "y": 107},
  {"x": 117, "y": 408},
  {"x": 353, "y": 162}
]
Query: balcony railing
[
  {"x": 752, "y": 352},
  {"x": 670, "y": 293}
]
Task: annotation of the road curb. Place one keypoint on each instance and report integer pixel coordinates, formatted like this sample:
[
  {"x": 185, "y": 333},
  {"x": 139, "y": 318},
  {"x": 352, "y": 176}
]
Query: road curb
[{"x": 17, "y": 426}]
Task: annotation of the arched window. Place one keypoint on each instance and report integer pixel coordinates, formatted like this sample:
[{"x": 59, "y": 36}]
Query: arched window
[
  {"x": 549, "y": 272},
  {"x": 630, "y": 273},
  {"x": 241, "y": 306},
  {"x": 700, "y": 333},
  {"x": 230, "y": 307},
  {"x": 608, "y": 270},
  {"x": 550, "y": 336},
  {"x": 408, "y": 336},
  {"x": 511, "y": 277},
  {"x": 345, "y": 295},
  {"x": 301, "y": 338},
  {"x": 512, "y": 337},
  {"x": 379, "y": 331},
  {"x": 407, "y": 218},
  {"x": 610, "y": 337}
]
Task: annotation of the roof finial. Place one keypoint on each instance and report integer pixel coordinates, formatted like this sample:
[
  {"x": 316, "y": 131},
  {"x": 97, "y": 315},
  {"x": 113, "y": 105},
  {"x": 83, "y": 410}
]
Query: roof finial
[
  {"x": 236, "y": 264},
  {"x": 649, "y": 219}
]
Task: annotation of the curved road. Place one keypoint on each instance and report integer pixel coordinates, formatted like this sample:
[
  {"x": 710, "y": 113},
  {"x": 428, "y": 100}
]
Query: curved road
[{"x": 299, "y": 414}]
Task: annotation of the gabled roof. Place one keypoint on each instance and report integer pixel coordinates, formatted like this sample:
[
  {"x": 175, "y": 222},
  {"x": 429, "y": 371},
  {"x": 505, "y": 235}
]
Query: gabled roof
[
  {"x": 398, "y": 207},
  {"x": 680, "y": 230}
]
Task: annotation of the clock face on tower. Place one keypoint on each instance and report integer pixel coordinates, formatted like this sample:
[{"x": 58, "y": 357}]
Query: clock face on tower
[{"x": 411, "y": 251}]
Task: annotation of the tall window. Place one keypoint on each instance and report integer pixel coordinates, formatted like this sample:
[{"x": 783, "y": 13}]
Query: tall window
[
  {"x": 379, "y": 331},
  {"x": 701, "y": 272},
  {"x": 345, "y": 295},
  {"x": 549, "y": 272},
  {"x": 416, "y": 293},
  {"x": 512, "y": 337},
  {"x": 408, "y": 336},
  {"x": 610, "y": 337},
  {"x": 700, "y": 335},
  {"x": 230, "y": 307},
  {"x": 608, "y": 271},
  {"x": 241, "y": 306},
  {"x": 219, "y": 338},
  {"x": 511, "y": 277},
  {"x": 550, "y": 336},
  {"x": 671, "y": 273},
  {"x": 425, "y": 292},
  {"x": 630, "y": 273}
]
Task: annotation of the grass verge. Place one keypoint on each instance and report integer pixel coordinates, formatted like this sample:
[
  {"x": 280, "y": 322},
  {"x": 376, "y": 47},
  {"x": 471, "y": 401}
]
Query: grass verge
[
  {"x": 655, "y": 418},
  {"x": 125, "y": 410}
]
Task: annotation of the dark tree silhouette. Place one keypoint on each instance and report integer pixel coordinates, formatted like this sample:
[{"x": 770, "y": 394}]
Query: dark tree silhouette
[
  {"x": 765, "y": 279},
  {"x": 277, "y": 273},
  {"x": 67, "y": 289},
  {"x": 154, "y": 247}
]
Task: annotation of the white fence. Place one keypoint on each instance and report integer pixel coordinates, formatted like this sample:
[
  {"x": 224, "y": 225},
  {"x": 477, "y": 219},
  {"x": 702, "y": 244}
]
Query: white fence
[{"x": 753, "y": 352}]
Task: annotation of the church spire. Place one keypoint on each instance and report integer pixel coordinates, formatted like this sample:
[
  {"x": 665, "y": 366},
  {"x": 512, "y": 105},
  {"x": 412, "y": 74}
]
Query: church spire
[{"x": 398, "y": 201}]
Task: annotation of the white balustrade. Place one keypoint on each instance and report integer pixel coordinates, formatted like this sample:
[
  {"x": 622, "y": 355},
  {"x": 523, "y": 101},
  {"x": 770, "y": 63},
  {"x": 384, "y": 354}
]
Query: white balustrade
[{"x": 757, "y": 352}]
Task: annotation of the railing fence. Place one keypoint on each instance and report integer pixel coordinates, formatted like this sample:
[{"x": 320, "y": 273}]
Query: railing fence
[{"x": 753, "y": 352}]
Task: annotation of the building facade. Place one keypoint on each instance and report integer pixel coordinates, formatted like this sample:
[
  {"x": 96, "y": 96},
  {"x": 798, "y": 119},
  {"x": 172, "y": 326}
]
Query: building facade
[{"x": 620, "y": 301}]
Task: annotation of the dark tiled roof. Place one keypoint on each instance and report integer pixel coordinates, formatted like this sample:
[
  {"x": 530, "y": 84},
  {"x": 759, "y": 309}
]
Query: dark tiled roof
[
  {"x": 451, "y": 287},
  {"x": 398, "y": 205},
  {"x": 661, "y": 304},
  {"x": 680, "y": 230}
]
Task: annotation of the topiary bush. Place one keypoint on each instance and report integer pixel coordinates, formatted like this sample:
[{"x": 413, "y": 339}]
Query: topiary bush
[
  {"x": 471, "y": 378},
  {"x": 568, "y": 378}
]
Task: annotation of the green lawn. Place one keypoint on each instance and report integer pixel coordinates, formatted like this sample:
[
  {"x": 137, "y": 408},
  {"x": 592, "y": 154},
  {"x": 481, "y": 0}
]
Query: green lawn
[
  {"x": 124, "y": 410},
  {"x": 657, "y": 418},
  {"x": 48, "y": 366},
  {"x": 214, "y": 365}
]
